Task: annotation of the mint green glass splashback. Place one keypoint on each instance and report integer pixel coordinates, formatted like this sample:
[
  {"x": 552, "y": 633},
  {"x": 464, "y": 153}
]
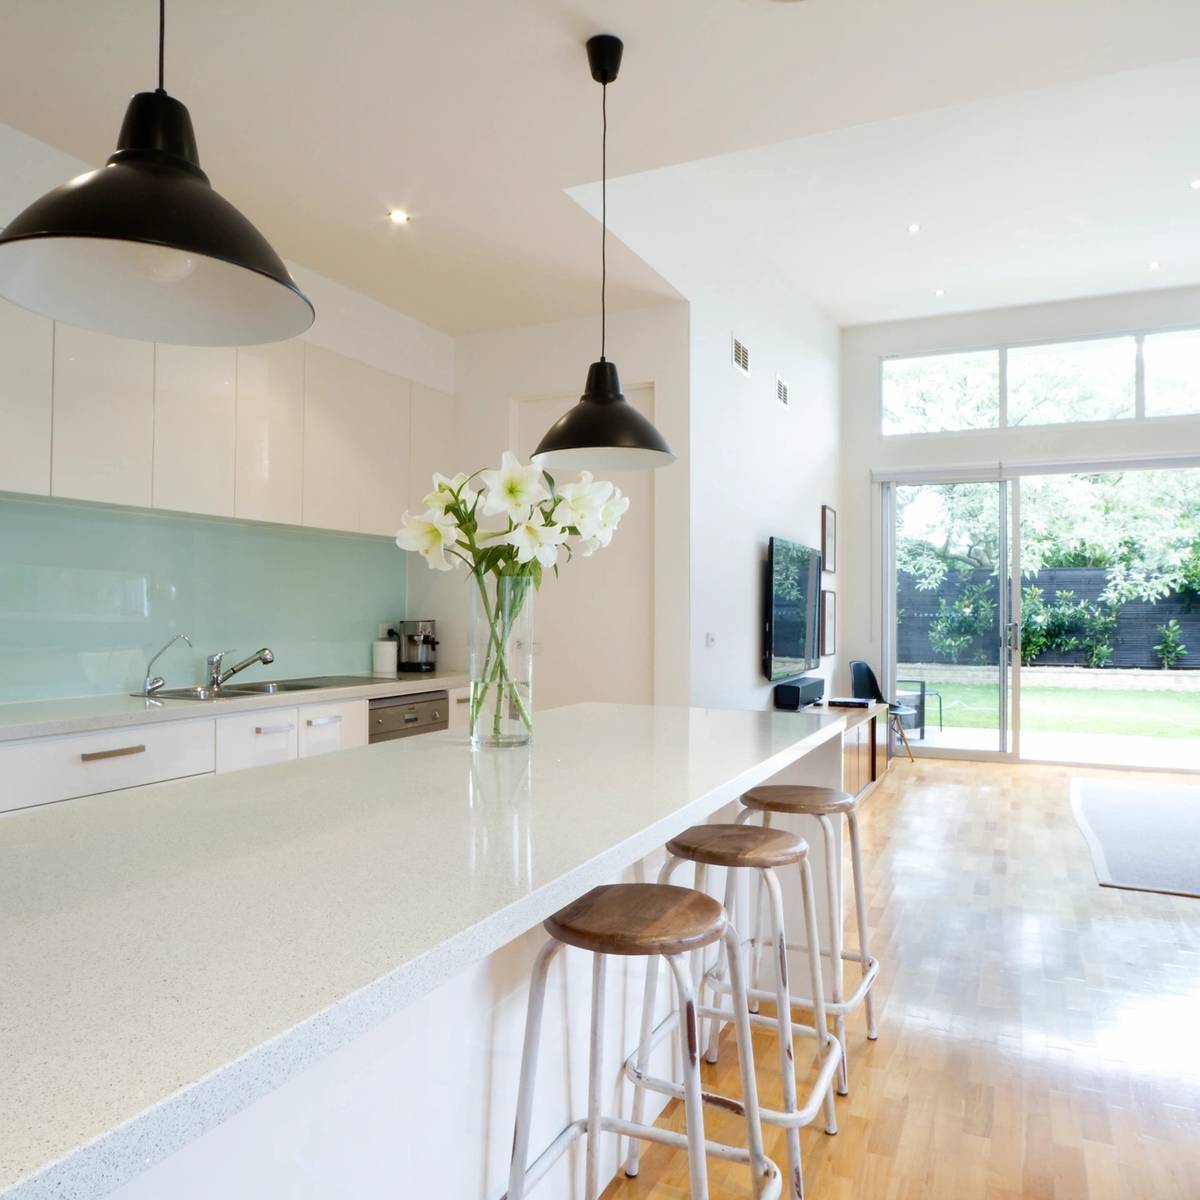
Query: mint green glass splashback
[{"x": 87, "y": 594}]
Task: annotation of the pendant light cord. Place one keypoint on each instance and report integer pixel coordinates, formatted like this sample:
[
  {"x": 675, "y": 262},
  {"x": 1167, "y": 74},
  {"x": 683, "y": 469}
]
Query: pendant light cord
[
  {"x": 162, "y": 39},
  {"x": 603, "y": 219}
]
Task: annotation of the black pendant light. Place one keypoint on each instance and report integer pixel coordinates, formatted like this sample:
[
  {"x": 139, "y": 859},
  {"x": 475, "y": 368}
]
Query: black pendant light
[
  {"x": 603, "y": 432},
  {"x": 144, "y": 248}
]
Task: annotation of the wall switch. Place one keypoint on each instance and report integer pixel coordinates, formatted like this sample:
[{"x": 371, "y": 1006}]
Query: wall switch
[{"x": 710, "y": 640}]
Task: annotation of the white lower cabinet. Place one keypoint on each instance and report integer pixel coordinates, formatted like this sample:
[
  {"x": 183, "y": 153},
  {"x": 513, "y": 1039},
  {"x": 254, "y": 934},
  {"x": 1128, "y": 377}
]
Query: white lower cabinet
[
  {"x": 460, "y": 703},
  {"x": 256, "y": 739},
  {"x": 327, "y": 727},
  {"x": 83, "y": 764}
]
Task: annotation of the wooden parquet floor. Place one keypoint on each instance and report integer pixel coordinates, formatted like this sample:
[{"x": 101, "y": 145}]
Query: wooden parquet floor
[{"x": 1038, "y": 1034}]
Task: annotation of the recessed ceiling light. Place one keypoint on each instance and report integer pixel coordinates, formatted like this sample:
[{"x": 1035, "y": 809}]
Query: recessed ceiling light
[
  {"x": 939, "y": 292},
  {"x": 914, "y": 228},
  {"x": 1153, "y": 266},
  {"x": 398, "y": 216}
]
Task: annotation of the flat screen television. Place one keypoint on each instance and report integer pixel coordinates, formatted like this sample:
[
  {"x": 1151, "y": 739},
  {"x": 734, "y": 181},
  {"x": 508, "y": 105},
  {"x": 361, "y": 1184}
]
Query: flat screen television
[{"x": 793, "y": 593}]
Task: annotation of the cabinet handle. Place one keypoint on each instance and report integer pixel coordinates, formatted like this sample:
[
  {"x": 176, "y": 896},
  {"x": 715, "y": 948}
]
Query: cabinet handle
[
  {"x": 318, "y": 722},
  {"x": 462, "y": 699},
  {"x": 274, "y": 728},
  {"x": 119, "y": 752}
]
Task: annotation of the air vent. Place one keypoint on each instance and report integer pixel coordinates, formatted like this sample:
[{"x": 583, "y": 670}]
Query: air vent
[
  {"x": 781, "y": 390},
  {"x": 741, "y": 355}
]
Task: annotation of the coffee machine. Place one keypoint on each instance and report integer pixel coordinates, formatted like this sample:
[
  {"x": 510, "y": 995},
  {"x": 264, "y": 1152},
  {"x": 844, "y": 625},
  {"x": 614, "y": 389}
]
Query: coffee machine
[{"x": 418, "y": 645}]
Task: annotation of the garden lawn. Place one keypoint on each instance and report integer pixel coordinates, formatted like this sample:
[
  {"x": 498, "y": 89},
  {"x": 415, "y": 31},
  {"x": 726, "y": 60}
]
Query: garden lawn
[{"x": 1072, "y": 710}]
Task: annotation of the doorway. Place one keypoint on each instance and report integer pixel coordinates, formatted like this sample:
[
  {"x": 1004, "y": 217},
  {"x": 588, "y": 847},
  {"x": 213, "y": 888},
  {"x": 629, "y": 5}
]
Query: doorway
[{"x": 1051, "y": 616}]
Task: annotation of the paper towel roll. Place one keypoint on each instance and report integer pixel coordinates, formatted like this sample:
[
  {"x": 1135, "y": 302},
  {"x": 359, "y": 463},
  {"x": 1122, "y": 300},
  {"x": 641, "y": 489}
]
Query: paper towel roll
[{"x": 383, "y": 657}]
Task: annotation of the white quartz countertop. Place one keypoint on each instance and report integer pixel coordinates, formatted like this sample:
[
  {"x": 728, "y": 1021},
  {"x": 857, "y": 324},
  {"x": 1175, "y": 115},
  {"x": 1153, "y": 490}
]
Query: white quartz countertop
[
  {"x": 44, "y": 718},
  {"x": 170, "y": 954}
]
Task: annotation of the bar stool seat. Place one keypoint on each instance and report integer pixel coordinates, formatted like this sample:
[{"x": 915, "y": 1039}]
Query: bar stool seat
[
  {"x": 797, "y": 798},
  {"x": 738, "y": 846},
  {"x": 639, "y": 918}
]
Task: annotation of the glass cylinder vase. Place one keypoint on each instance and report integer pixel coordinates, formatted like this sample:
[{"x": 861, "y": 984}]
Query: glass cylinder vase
[{"x": 500, "y": 650}]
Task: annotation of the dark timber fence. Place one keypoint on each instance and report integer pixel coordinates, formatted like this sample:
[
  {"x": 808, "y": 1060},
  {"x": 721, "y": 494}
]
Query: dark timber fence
[{"x": 1133, "y": 643}]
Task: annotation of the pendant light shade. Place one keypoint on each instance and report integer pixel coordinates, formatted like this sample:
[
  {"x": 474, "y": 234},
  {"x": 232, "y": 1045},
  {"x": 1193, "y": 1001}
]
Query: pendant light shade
[
  {"x": 603, "y": 432},
  {"x": 144, "y": 248}
]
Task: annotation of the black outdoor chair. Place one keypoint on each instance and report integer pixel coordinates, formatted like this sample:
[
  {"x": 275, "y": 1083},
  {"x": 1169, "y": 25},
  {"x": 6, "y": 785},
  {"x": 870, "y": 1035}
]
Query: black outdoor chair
[{"x": 864, "y": 686}]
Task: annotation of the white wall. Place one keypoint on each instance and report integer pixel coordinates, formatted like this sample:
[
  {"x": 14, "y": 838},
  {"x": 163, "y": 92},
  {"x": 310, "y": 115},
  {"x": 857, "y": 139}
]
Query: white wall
[
  {"x": 758, "y": 470},
  {"x": 865, "y": 448},
  {"x": 495, "y": 372}
]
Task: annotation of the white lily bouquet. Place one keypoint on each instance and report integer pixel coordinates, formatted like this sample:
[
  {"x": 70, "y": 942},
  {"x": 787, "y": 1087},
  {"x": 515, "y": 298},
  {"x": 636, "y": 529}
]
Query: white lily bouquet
[{"x": 532, "y": 520}]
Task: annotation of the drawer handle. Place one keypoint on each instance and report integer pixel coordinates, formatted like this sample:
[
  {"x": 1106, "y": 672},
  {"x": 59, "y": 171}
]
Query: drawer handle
[
  {"x": 119, "y": 752},
  {"x": 462, "y": 700},
  {"x": 318, "y": 722},
  {"x": 274, "y": 728}
]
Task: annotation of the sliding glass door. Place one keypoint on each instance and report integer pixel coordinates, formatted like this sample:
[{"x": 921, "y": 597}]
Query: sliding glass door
[{"x": 954, "y": 631}]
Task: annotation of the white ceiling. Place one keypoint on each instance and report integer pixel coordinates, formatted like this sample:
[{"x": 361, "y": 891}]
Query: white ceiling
[
  {"x": 1050, "y": 194},
  {"x": 315, "y": 117}
]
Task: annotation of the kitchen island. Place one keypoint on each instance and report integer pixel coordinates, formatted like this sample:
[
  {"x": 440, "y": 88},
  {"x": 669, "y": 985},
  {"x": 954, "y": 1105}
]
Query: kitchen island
[{"x": 309, "y": 979}]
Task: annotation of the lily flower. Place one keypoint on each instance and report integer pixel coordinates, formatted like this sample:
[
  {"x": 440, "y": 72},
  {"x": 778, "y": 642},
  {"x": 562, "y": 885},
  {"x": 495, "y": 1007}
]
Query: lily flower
[
  {"x": 444, "y": 491},
  {"x": 535, "y": 538},
  {"x": 513, "y": 489},
  {"x": 583, "y": 503},
  {"x": 430, "y": 535}
]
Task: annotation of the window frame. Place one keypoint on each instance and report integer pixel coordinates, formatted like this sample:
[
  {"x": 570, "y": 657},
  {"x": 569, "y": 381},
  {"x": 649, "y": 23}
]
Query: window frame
[{"x": 1002, "y": 348}]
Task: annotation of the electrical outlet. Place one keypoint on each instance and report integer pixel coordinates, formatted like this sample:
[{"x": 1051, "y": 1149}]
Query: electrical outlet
[
  {"x": 383, "y": 628},
  {"x": 710, "y": 640}
]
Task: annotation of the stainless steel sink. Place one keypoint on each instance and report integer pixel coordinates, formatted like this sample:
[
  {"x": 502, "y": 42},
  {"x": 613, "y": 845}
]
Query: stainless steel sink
[
  {"x": 266, "y": 687},
  {"x": 188, "y": 693},
  {"x": 271, "y": 687}
]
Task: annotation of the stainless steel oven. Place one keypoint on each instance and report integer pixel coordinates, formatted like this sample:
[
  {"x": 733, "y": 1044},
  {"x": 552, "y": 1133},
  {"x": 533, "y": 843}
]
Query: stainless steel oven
[{"x": 392, "y": 717}]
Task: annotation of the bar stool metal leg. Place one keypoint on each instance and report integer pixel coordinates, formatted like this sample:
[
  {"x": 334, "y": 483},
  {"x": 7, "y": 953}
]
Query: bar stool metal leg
[
  {"x": 643, "y": 1061},
  {"x": 860, "y": 910},
  {"x": 693, "y": 1105},
  {"x": 833, "y": 880},
  {"x": 591, "y": 1187},
  {"x": 518, "y": 1177}
]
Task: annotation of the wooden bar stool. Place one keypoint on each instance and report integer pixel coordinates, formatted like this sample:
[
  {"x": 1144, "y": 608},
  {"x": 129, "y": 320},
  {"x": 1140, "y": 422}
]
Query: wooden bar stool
[
  {"x": 655, "y": 921},
  {"x": 824, "y": 804},
  {"x": 749, "y": 848}
]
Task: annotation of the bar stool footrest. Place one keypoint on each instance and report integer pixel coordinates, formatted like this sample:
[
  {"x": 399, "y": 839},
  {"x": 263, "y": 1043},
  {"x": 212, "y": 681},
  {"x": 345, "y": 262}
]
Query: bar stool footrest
[{"x": 540, "y": 1167}]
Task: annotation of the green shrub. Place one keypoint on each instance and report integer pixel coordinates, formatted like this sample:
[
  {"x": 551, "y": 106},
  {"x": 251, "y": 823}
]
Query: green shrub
[
  {"x": 1170, "y": 648},
  {"x": 1065, "y": 625},
  {"x": 959, "y": 626}
]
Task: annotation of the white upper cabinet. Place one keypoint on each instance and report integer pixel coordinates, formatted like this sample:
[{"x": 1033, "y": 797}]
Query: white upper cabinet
[
  {"x": 431, "y": 442},
  {"x": 194, "y": 428},
  {"x": 356, "y": 431},
  {"x": 103, "y": 423},
  {"x": 270, "y": 432},
  {"x": 26, "y": 365}
]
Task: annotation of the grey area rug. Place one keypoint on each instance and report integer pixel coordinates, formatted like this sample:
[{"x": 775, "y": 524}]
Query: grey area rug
[{"x": 1143, "y": 836}]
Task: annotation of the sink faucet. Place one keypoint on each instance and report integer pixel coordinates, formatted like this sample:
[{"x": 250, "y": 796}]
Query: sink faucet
[
  {"x": 217, "y": 677},
  {"x": 151, "y": 684}
]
